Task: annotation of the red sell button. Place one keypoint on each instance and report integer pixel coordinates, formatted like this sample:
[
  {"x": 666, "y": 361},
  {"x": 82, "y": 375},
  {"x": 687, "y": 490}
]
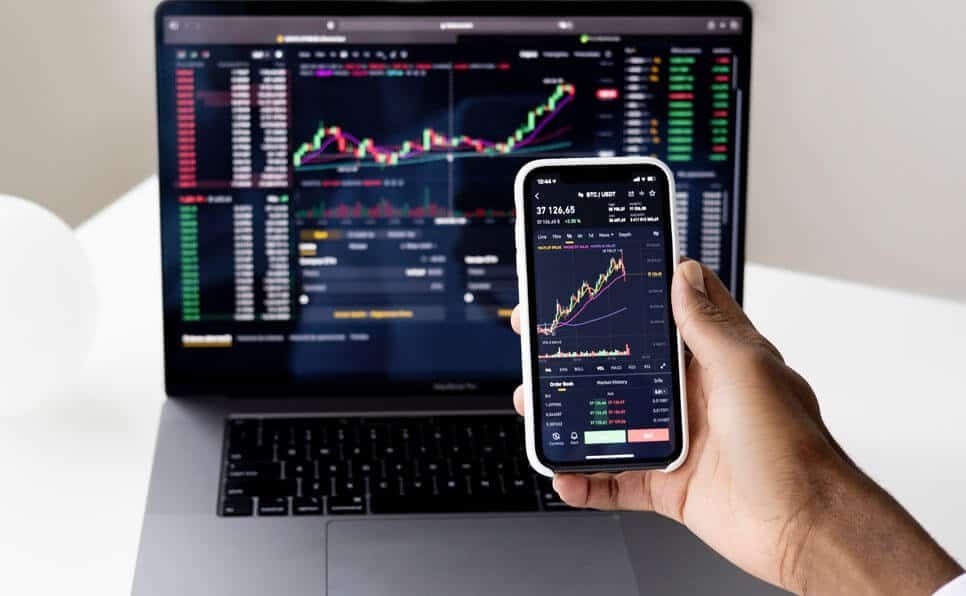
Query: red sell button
[
  {"x": 607, "y": 94},
  {"x": 648, "y": 435}
]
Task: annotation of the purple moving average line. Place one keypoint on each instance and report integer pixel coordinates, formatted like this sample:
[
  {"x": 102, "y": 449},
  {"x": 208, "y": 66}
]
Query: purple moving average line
[
  {"x": 417, "y": 151},
  {"x": 615, "y": 313}
]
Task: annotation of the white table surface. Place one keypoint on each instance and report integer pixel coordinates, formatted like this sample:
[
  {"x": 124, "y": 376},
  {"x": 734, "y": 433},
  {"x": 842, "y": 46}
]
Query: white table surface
[{"x": 887, "y": 367}]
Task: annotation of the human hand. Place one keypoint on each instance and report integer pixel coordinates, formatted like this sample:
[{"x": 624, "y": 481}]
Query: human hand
[{"x": 765, "y": 484}]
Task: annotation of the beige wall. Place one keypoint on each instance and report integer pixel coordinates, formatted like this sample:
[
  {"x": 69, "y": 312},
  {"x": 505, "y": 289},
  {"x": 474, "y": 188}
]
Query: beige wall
[
  {"x": 858, "y": 164},
  {"x": 77, "y": 103}
]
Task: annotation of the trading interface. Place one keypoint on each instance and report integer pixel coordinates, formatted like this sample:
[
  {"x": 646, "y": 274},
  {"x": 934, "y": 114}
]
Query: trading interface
[
  {"x": 605, "y": 351},
  {"x": 337, "y": 193}
]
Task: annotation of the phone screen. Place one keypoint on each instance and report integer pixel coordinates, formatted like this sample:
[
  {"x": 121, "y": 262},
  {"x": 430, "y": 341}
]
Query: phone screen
[{"x": 604, "y": 355}]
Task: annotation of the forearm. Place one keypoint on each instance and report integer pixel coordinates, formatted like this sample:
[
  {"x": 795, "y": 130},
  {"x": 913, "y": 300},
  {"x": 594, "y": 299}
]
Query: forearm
[{"x": 861, "y": 541}]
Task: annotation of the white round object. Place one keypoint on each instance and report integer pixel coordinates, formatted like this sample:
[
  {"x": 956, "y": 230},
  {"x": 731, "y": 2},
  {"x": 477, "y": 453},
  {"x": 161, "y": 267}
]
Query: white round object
[{"x": 47, "y": 305}]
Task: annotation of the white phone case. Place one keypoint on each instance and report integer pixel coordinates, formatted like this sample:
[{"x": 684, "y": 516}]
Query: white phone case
[{"x": 526, "y": 328}]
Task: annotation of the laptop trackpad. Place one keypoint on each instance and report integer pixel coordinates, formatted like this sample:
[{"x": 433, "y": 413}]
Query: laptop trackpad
[{"x": 550, "y": 554}]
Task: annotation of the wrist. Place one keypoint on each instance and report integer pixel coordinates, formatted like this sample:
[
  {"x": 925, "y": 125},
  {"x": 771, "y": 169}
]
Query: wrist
[
  {"x": 809, "y": 530},
  {"x": 855, "y": 538}
]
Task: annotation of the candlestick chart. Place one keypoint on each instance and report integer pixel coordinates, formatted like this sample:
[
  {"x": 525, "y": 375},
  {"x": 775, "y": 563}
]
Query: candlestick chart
[
  {"x": 332, "y": 146},
  {"x": 586, "y": 305}
]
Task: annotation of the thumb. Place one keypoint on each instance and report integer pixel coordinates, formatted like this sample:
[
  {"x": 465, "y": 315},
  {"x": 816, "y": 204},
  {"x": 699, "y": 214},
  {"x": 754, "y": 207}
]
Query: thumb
[{"x": 711, "y": 323}]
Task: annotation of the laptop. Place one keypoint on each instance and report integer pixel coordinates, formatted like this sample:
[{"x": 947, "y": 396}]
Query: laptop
[{"x": 338, "y": 276}]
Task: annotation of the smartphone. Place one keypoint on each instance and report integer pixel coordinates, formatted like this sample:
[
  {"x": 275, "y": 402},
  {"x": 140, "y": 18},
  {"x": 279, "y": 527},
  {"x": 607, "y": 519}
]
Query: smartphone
[{"x": 603, "y": 362}]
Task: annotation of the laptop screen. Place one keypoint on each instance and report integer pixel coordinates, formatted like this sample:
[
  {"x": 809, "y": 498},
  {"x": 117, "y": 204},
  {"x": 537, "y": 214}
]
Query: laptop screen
[{"x": 336, "y": 190}]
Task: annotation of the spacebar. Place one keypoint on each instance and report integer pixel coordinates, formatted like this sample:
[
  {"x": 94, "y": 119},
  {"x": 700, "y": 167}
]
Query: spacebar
[{"x": 422, "y": 504}]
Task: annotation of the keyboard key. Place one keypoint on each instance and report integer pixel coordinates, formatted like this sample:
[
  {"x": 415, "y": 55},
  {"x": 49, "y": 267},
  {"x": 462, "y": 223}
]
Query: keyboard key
[
  {"x": 238, "y": 470},
  {"x": 452, "y": 487},
  {"x": 349, "y": 487},
  {"x": 243, "y": 431},
  {"x": 386, "y": 487},
  {"x": 305, "y": 471},
  {"x": 317, "y": 488},
  {"x": 259, "y": 488},
  {"x": 519, "y": 484},
  {"x": 464, "y": 467},
  {"x": 273, "y": 506},
  {"x": 347, "y": 505},
  {"x": 291, "y": 453},
  {"x": 236, "y": 506},
  {"x": 418, "y": 487},
  {"x": 485, "y": 487},
  {"x": 250, "y": 453},
  {"x": 307, "y": 506},
  {"x": 324, "y": 454}
]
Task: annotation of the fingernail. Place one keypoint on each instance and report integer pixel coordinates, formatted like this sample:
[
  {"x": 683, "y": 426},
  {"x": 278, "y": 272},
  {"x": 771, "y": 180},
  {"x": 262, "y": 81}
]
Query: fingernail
[
  {"x": 555, "y": 489},
  {"x": 694, "y": 275}
]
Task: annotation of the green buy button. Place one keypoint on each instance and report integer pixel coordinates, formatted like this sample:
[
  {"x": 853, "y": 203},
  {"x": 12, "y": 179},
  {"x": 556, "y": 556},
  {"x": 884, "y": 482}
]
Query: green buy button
[{"x": 599, "y": 437}]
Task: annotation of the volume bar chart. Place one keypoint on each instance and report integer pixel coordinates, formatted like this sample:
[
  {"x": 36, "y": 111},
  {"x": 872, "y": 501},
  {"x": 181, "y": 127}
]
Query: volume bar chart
[
  {"x": 383, "y": 209},
  {"x": 386, "y": 209},
  {"x": 604, "y": 353}
]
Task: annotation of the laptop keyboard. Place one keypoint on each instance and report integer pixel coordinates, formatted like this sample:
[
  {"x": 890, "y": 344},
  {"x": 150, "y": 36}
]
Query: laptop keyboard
[{"x": 354, "y": 466}]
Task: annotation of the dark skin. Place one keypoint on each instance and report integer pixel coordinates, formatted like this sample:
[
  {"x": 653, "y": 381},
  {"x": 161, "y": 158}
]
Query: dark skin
[{"x": 765, "y": 484}]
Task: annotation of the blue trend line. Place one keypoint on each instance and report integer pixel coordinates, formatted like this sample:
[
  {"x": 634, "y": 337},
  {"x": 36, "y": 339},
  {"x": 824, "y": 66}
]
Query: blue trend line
[{"x": 615, "y": 313}]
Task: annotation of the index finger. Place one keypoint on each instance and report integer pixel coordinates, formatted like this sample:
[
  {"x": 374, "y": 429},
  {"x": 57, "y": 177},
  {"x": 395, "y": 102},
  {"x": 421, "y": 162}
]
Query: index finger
[{"x": 515, "y": 318}]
